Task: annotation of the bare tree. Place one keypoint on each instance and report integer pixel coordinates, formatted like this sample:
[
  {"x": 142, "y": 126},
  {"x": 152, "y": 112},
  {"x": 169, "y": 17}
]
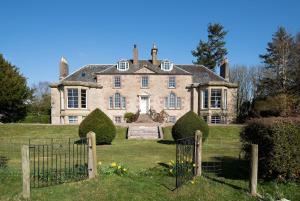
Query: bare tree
[{"x": 247, "y": 79}]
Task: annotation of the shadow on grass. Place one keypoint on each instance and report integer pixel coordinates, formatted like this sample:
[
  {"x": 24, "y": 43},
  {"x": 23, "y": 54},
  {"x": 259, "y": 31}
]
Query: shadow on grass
[
  {"x": 3, "y": 161},
  {"x": 166, "y": 142},
  {"x": 226, "y": 167}
]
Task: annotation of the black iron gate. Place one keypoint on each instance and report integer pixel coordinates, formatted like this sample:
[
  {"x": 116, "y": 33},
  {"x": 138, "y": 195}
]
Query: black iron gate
[
  {"x": 185, "y": 160},
  {"x": 58, "y": 161}
]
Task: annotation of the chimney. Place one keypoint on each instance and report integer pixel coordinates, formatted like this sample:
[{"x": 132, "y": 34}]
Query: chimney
[
  {"x": 135, "y": 55},
  {"x": 224, "y": 69},
  {"x": 154, "y": 51},
  {"x": 63, "y": 68}
]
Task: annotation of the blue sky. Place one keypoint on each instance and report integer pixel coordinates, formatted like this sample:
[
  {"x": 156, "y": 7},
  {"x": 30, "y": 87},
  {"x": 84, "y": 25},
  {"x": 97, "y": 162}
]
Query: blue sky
[{"x": 35, "y": 34}]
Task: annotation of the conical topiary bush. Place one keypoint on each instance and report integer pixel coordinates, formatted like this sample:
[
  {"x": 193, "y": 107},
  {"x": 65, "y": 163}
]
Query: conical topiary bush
[
  {"x": 98, "y": 122},
  {"x": 186, "y": 126}
]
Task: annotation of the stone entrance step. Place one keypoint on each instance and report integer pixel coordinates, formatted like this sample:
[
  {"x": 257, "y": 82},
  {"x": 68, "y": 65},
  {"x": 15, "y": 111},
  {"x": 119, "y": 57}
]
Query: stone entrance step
[
  {"x": 144, "y": 132},
  {"x": 144, "y": 118}
]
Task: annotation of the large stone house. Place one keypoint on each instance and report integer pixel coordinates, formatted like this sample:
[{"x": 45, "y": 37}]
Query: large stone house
[{"x": 143, "y": 85}]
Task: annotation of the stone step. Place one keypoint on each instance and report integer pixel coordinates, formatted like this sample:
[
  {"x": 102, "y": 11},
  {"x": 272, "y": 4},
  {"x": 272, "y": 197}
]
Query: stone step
[{"x": 143, "y": 132}]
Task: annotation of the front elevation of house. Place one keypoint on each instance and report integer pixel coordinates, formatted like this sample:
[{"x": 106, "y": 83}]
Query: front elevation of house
[{"x": 143, "y": 86}]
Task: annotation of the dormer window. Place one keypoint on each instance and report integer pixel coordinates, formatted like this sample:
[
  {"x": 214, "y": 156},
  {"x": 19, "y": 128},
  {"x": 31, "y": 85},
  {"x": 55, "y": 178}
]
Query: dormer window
[
  {"x": 123, "y": 65},
  {"x": 166, "y": 65}
]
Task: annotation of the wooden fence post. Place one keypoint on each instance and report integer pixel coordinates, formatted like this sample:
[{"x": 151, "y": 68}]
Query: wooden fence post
[
  {"x": 26, "y": 171},
  {"x": 92, "y": 158},
  {"x": 198, "y": 153},
  {"x": 253, "y": 169}
]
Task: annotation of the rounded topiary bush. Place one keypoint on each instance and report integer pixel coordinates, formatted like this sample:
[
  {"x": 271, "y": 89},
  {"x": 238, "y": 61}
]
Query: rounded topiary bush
[
  {"x": 98, "y": 122},
  {"x": 188, "y": 124}
]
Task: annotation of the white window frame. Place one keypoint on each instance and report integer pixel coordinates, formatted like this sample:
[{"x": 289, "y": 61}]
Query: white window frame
[
  {"x": 144, "y": 81},
  {"x": 73, "y": 119},
  {"x": 215, "y": 119},
  {"x": 123, "y": 65},
  {"x": 214, "y": 98},
  {"x": 204, "y": 98},
  {"x": 117, "y": 101},
  {"x": 172, "y": 102},
  {"x": 72, "y": 98},
  {"x": 123, "y": 102},
  {"x": 166, "y": 65},
  {"x": 117, "y": 81},
  {"x": 172, "y": 82}
]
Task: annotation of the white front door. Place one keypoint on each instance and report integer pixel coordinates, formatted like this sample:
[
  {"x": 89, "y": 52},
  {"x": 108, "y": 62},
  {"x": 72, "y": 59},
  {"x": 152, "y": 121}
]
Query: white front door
[{"x": 144, "y": 105}]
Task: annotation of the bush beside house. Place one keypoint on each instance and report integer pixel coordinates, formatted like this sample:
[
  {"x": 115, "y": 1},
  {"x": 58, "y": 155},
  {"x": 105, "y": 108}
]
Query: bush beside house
[
  {"x": 98, "y": 122},
  {"x": 188, "y": 124},
  {"x": 278, "y": 142}
]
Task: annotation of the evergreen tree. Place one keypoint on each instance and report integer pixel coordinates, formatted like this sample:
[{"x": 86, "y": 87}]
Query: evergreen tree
[
  {"x": 13, "y": 93},
  {"x": 211, "y": 53},
  {"x": 278, "y": 61}
]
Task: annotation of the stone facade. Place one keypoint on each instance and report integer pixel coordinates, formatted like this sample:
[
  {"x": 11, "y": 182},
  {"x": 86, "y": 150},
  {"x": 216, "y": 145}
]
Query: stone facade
[{"x": 94, "y": 86}]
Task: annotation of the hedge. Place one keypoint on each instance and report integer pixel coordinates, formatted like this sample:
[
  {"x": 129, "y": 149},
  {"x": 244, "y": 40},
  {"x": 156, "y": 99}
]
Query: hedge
[
  {"x": 278, "y": 142},
  {"x": 98, "y": 122},
  {"x": 186, "y": 126}
]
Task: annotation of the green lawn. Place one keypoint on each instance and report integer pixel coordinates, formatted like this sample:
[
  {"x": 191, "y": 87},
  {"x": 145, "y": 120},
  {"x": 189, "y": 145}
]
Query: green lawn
[{"x": 147, "y": 179}]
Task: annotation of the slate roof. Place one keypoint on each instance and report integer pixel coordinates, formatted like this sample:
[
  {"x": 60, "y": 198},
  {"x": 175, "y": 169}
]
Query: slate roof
[{"x": 200, "y": 73}]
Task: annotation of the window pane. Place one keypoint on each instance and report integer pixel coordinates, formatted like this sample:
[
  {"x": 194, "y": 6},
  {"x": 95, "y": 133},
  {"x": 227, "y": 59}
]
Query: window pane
[
  {"x": 215, "y": 98},
  {"x": 117, "y": 101},
  {"x": 204, "y": 99},
  {"x": 172, "y": 119},
  {"x": 111, "y": 102},
  {"x": 118, "y": 119},
  {"x": 73, "y": 119},
  {"x": 83, "y": 98},
  {"x": 123, "y": 103},
  {"x": 145, "y": 81},
  {"x": 72, "y": 98},
  {"x": 215, "y": 119},
  {"x": 172, "y": 100},
  {"x": 117, "y": 81},
  {"x": 172, "y": 82}
]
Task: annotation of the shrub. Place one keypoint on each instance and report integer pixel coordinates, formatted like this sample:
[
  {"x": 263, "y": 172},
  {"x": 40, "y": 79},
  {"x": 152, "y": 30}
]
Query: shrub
[
  {"x": 129, "y": 117},
  {"x": 98, "y": 122},
  {"x": 188, "y": 124},
  {"x": 278, "y": 142}
]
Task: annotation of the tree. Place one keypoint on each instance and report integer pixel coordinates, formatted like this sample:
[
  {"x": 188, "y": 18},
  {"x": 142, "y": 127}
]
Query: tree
[
  {"x": 14, "y": 92},
  {"x": 41, "y": 101},
  {"x": 278, "y": 63},
  {"x": 247, "y": 79},
  {"x": 212, "y": 52}
]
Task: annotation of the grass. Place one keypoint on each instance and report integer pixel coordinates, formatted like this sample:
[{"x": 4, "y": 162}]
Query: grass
[{"x": 147, "y": 180}]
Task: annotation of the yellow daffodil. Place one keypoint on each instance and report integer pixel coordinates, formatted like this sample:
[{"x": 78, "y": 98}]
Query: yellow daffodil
[
  {"x": 124, "y": 169},
  {"x": 99, "y": 163},
  {"x": 171, "y": 170},
  {"x": 114, "y": 164},
  {"x": 194, "y": 165},
  {"x": 170, "y": 164},
  {"x": 119, "y": 167},
  {"x": 192, "y": 182}
]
